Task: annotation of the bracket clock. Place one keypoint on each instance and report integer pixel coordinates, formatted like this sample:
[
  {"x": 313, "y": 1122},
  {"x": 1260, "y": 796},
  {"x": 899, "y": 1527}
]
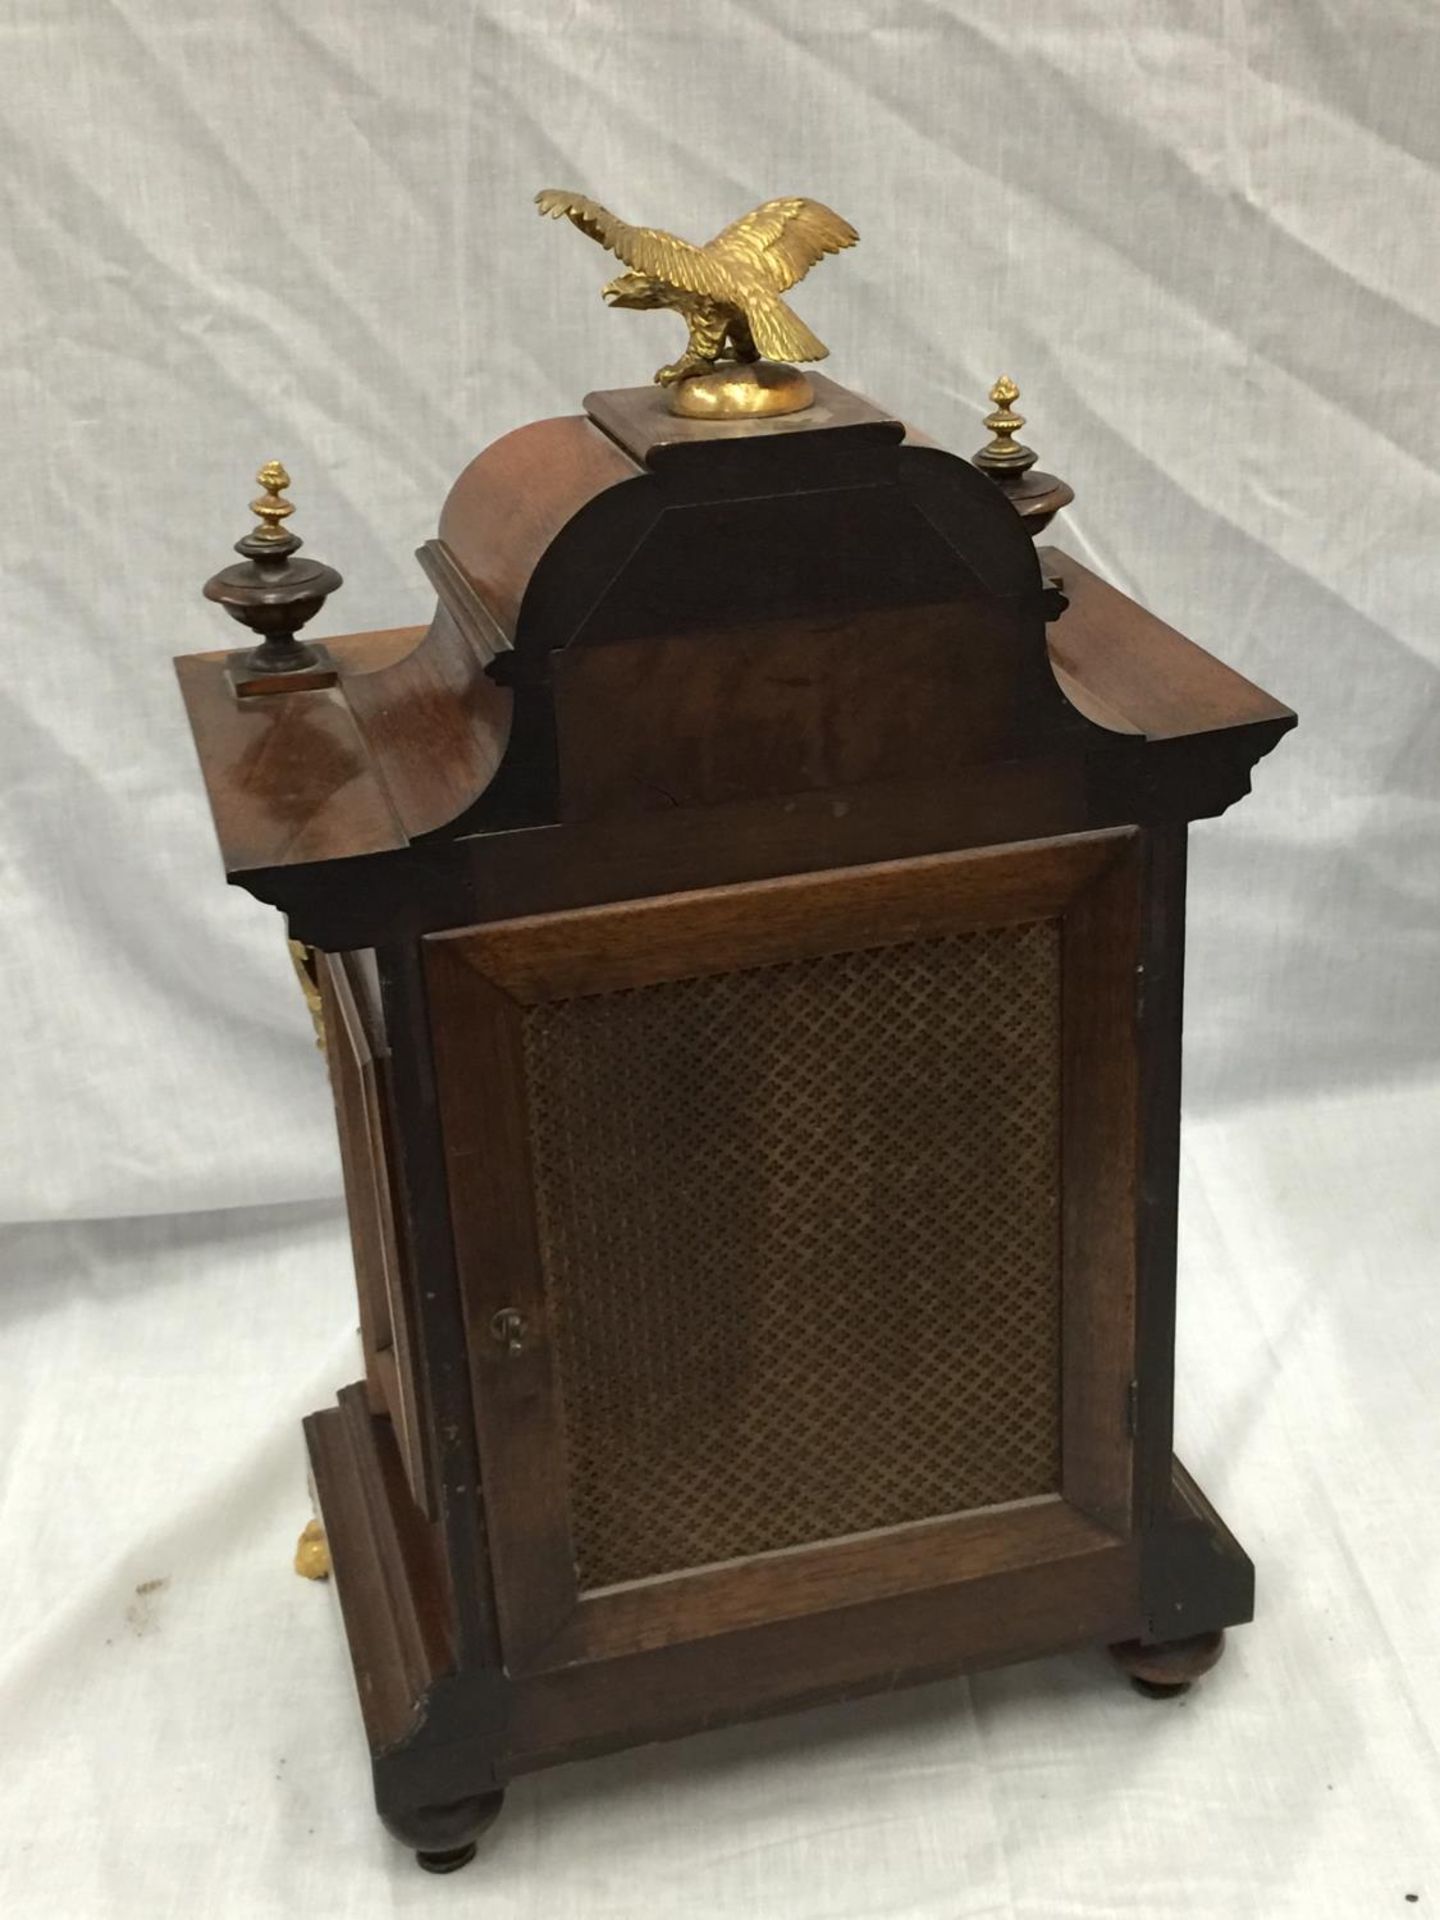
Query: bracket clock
[{"x": 747, "y": 923}]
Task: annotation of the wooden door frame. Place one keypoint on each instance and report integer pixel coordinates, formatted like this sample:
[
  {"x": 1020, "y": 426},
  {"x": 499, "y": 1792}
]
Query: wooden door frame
[
  {"x": 384, "y": 1285},
  {"x": 480, "y": 981}
]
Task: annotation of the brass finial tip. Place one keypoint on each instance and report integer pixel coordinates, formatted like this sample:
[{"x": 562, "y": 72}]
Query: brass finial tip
[
  {"x": 270, "y": 509},
  {"x": 1003, "y": 452}
]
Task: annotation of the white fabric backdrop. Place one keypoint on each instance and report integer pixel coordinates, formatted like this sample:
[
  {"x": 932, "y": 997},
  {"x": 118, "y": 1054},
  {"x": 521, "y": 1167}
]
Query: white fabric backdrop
[{"x": 1200, "y": 236}]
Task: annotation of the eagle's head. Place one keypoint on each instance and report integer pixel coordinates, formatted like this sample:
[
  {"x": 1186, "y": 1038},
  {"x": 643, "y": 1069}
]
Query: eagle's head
[{"x": 636, "y": 290}]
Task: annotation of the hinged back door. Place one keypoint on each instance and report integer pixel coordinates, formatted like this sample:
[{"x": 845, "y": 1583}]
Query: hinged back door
[{"x": 795, "y": 1225}]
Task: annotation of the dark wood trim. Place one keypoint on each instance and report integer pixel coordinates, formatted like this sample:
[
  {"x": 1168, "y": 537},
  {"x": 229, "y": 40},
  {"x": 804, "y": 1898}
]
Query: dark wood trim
[
  {"x": 1195, "y": 1575},
  {"x": 290, "y": 778},
  {"x": 439, "y": 1733},
  {"x": 432, "y": 1724},
  {"x": 446, "y": 884},
  {"x": 1139, "y": 672},
  {"x": 639, "y": 421},
  {"x": 359, "y": 770},
  {"x": 1101, "y": 937},
  {"x": 611, "y": 1622},
  {"x": 1159, "y": 1018},
  {"x": 715, "y": 930},
  {"x": 1087, "y": 1599},
  {"x": 386, "y": 1290},
  {"x": 387, "y": 1565},
  {"x": 510, "y": 506},
  {"x": 422, "y": 1193},
  {"x": 343, "y": 1059},
  {"x": 515, "y": 1397},
  {"x": 389, "y": 1587},
  {"x": 436, "y": 724},
  {"x": 479, "y": 628}
]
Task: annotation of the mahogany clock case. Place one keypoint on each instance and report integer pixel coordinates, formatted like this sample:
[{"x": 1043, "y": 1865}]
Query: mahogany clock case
[{"x": 749, "y": 922}]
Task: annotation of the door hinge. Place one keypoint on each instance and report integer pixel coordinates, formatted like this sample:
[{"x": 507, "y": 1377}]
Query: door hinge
[{"x": 1132, "y": 1408}]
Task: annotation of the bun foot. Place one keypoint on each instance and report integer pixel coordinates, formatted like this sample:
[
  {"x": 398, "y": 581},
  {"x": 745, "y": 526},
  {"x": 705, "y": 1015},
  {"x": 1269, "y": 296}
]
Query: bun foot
[
  {"x": 1170, "y": 1667},
  {"x": 443, "y": 1838},
  {"x": 449, "y": 1861}
]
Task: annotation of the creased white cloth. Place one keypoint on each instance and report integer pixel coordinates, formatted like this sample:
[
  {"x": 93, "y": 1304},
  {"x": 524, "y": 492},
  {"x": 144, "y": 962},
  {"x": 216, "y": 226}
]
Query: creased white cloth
[{"x": 1200, "y": 237}]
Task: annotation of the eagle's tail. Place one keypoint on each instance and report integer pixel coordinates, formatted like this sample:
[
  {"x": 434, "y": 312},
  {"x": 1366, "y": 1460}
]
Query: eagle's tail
[{"x": 779, "y": 332}]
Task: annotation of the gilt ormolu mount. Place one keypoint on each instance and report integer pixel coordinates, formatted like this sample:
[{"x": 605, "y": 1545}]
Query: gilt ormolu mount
[
  {"x": 743, "y": 336},
  {"x": 749, "y": 922}
]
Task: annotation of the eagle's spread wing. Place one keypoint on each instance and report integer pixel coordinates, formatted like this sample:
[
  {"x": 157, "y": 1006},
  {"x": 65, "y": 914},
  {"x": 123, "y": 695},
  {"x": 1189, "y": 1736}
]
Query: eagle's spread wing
[
  {"x": 777, "y": 244},
  {"x": 778, "y": 331},
  {"x": 647, "y": 250}
]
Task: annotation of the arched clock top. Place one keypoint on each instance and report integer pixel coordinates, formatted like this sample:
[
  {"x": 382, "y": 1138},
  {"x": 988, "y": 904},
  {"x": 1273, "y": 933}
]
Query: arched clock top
[{"x": 686, "y": 625}]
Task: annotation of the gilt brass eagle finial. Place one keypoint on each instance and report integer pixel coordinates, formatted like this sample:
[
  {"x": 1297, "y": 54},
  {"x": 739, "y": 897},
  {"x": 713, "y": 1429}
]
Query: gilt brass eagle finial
[{"x": 728, "y": 292}]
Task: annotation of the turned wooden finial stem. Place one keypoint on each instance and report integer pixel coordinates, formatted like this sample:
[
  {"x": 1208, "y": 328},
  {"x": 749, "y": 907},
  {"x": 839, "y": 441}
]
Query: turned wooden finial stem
[{"x": 274, "y": 594}]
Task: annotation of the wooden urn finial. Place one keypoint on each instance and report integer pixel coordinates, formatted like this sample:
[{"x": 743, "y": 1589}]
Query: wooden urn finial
[
  {"x": 274, "y": 595},
  {"x": 1036, "y": 497}
]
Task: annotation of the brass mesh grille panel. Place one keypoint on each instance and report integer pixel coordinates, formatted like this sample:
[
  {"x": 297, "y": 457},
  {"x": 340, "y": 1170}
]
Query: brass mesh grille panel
[{"x": 800, "y": 1230}]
